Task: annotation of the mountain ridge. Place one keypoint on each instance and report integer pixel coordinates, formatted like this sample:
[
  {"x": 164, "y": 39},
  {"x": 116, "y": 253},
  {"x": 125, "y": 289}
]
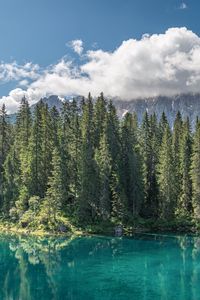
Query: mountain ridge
[{"x": 187, "y": 104}]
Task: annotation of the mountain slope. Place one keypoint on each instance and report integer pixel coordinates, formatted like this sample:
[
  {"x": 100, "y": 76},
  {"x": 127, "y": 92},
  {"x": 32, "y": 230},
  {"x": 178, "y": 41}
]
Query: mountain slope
[{"x": 187, "y": 104}]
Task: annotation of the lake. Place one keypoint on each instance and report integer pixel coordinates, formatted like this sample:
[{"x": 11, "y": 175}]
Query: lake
[{"x": 141, "y": 267}]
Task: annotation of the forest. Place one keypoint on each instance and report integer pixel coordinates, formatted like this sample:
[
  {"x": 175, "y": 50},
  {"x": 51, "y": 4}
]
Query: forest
[{"x": 83, "y": 165}]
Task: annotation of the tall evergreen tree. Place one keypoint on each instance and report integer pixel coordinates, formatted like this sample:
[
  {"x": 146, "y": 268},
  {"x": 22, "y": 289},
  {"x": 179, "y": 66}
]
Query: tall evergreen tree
[
  {"x": 23, "y": 125},
  {"x": 73, "y": 140},
  {"x": 131, "y": 172},
  {"x": 166, "y": 177},
  {"x": 5, "y": 140},
  {"x": 149, "y": 141},
  {"x": 99, "y": 118},
  {"x": 11, "y": 181},
  {"x": 88, "y": 197},
  {"x": 36, "y": 148},
  {"x": 56, "y": 191},
  {"x": 176, "y": 147},
  {"x": 118, "y": 197},
  {"x": 162, "y": 125},
  {"x": 185, "y": 197},
  {"x": 21, "y": 144},
  {"x": 104, "y": 163},
  {"x": 195, "y": 172}
]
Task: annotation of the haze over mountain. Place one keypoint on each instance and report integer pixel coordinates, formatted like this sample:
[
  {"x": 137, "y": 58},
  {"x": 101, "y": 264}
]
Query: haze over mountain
[{"x": 187, "y": 104}]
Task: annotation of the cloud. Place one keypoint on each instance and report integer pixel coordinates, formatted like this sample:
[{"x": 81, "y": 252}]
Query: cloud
[
  {"x": 77, "y": 46},
  {"x": 12, "y": 101},
  {"x": 183, "y": 6},
  {"x": 24, "y": 83},
  {"x": 14, "y": 71},
  {"x": 158, "y": 64}
]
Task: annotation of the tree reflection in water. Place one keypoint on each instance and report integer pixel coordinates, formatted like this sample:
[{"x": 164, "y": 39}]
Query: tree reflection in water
[{"x": 99, "y": 267}]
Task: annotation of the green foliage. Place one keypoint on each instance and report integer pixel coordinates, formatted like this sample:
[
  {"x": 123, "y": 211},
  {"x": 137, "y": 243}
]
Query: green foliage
[
  {"x": 195, "y": 172},
  {"x": 149, "y": 145},
  {"x": 184, "y": 207},
  {"x": 55, "y": 195},
  {"x": 84, "y": 165},
  {"x": 166, "y": 177}
]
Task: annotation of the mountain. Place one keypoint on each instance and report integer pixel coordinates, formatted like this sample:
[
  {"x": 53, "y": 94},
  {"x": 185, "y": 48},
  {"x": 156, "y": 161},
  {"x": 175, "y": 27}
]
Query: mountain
[
  {"x": 52, "y": 101},
  {"x": 187, "y": 104}
]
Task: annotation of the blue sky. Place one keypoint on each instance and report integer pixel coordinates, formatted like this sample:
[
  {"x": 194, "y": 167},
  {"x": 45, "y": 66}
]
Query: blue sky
[{"x": 40, "y": 31}]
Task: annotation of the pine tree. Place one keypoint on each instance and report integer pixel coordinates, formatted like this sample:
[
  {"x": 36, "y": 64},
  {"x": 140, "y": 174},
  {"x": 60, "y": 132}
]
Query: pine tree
[
  {"x": 131, "y": 173},
  {"x": 55, "y": 126},
  {"x": 88, "y": 197},
  {"x": 23, "y": 125},
  {"x": 176, "y": 146},
  {"x": 49, "y": 139},
  {"x": 149, "y": 143},
  {"x": 118, "y": 197},
  {"x": 195, "y": 172},
  {"x": 11, "y": 181},
  {"x": 162, "y": 125},
  {"x": 166, "y": 177},
  {"x": 5, "y": 141},
  {"x": 65, "y": 143},
  {"x": 155, "y": 147},
  {"x": 36, "y": 147},
  {"x": 185, "y": 198},
  {"x": 71, "y": 145},
  {"x": 99, "y": 118},
  {"x": 104, "y": 162},
  {"x": 21, "y": 154},
  {"x": 56, "y": 191}
]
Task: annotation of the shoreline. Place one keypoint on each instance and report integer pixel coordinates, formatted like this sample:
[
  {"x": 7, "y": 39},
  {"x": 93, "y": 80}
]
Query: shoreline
[{"x": 14, "y": 229}]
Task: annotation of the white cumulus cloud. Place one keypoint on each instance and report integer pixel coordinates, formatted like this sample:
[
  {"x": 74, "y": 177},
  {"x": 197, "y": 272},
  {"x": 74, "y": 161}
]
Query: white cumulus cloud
[
  {"x": 14, "y": 71},
  {"x": 158, "y": 64},
  {"x": 77, "y": 46}
]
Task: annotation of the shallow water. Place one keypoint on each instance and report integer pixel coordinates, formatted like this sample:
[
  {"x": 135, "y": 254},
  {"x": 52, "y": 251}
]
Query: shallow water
[{"x": 142, "y": 267}]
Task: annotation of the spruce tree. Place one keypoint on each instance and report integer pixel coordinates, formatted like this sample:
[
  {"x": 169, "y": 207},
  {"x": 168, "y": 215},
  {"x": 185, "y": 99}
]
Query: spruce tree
[
  {"x": 185, "y": 197},
  {"x": 162, "y": 125},
  {"x": 56, "y": 191},
  {"x": 166, "y": 177},
  {"x": 11, "y": 185},
  {"x": 195, "y": 173},
  {"x": 131, "y": 169},
  {"x": 99, "y": 118},
  {"x": 88, "y": 200},
  {"x": 104, "y": 163},
  {"x": 73, "y": 139},
  {"x": 5, "y": 141},
  {"x": 118, "y": 197},
  {"x": 149, "y": 144},
  {"x": 176, "y": 146},
  {"x": 36, "y": 147},
  {"x": 49, "y": 139},
  {"x": 22, "y": 140},
  {"x": 23, "y": 126}
]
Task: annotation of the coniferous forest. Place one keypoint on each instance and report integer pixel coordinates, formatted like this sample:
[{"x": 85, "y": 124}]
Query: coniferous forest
[{"x": 84, "y": 166}]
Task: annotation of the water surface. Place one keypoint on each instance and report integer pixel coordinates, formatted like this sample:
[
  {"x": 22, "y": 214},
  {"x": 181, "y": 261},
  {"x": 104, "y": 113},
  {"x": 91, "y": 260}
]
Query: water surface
[{"x": 143, "y": 267}]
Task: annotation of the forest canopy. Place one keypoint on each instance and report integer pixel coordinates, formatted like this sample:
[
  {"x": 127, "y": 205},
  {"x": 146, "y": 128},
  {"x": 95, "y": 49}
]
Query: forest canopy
[{"x": 84, "y": 164}]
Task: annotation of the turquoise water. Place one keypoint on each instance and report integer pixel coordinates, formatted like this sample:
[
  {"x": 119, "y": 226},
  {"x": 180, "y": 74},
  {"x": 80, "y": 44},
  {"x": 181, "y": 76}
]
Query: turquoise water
[{"x": 143, "y": 267}]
